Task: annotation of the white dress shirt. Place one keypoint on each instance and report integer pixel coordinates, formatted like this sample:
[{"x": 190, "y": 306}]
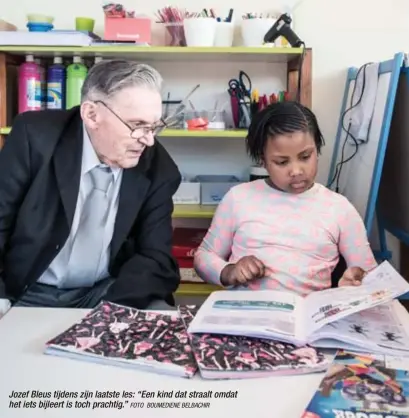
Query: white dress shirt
[{"x": 58, "y": 273}]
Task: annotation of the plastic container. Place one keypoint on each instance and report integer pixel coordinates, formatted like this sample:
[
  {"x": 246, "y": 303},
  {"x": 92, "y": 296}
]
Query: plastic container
[
  {"x": 200, "y": 31},
  {"x": 39, "y": 27},
  {"x": 84, "y": 24},
  {"x": 257, "y": 173},
  {"x": 224, "y": 34},
  {"x": 254, "y": 30},
  {"x": 43, "y": 82},
  {"x": 76, "y": 75},
  {"x": 29, "y": 86},
  {"x": 213, "y": 187},
  {"x": 205, "y": 119},
  {"x": 197, "y": 124},
  {"x": 56, "y": 85},
  {"x": 39, "y": 18},
  {"x": 175, "y": 34}
]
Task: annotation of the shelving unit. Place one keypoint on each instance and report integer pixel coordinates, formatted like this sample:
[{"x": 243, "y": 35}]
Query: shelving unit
[
  {"x": 293, "y": 58},
  {"x": 181, "y": 133},
  {"x": 166, "y": 53},
  {"x": 194, "y": 211}
]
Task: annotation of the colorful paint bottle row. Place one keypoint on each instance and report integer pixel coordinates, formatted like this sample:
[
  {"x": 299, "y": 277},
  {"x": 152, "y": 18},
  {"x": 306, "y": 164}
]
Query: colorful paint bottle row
[{"x": 56, "y": 87}]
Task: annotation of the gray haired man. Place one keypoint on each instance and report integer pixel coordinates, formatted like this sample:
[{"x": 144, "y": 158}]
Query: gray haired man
[{"x": 86, "y": 198}]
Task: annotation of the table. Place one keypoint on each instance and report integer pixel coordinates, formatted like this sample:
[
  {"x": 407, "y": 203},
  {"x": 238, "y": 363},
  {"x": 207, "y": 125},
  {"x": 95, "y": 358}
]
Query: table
[{"x": 23, "y": 366}]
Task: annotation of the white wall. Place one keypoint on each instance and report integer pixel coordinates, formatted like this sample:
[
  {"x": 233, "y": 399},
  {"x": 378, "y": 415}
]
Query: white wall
[{"x": 341, "y": 33}]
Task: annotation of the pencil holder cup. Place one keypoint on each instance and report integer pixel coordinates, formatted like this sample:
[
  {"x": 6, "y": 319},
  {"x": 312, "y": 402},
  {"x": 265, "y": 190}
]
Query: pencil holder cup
[
  {"x": 175, "y": 34},
  {"x": 216, "y": 118},
  {"x": 195, "y": 120},
  {"x": 254, "y": 30},
  {"x": 224, "y": 34},
  {"x": 200, "y": 31},
  {"x": 205, "y": 119},
  {"x": 85, "y": 24}
]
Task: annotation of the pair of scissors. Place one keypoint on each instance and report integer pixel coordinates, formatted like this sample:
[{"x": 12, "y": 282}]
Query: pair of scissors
[
  {"x": 239, "y": 103},
  {"x": 235, "y": 98},
  {"x": 242, "y": 83}
]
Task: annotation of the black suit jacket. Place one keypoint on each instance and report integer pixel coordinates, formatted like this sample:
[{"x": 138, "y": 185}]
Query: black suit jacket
[{"x": 40, "y": 168}]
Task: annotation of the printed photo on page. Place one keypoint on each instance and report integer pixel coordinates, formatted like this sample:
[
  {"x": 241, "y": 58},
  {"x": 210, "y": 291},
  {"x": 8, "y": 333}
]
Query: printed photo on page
[
  {"x": 381, "y": 285},
  {"x": 255, "y": 314},
  {"x": 378, "y": 329}
]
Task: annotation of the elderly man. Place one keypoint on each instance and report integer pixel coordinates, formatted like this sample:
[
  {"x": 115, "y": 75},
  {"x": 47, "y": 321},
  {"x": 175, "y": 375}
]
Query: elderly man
[{"x": 86, "y": 198}]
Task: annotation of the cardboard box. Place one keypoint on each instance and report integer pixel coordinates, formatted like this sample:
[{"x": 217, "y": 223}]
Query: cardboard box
[{"x": 126, "y": 29}]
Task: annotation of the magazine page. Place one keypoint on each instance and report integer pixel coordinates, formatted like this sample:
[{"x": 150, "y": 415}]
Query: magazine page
[
  {"x": 381, "y": 285},
  {"x": 233, "y": 356},
  {"x": 361, "y": 385},
  {"x": 378, "y": 330},
  {"x": 250, "y": 313}
]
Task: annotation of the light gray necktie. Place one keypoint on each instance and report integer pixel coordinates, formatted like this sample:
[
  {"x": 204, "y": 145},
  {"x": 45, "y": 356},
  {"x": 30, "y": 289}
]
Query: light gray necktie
[{"x": 89, "y": 239}]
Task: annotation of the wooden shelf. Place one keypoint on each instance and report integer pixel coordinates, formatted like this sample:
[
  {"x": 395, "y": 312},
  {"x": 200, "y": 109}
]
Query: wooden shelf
[
  {"x": 158, "y": 53},
  {"x": 181, "y": 133},
  {"x": 196, "y": 289},
  {"x": 194, "y": 211}
]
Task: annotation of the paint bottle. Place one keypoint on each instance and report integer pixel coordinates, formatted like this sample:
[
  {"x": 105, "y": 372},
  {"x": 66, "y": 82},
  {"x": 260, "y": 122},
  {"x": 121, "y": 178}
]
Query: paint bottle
[
  {"x": 76, "y": 75},
  {"x": 29, "y": 86},
  {"x": 43, "y": 83},
  {"x": 56, "y": 85}
]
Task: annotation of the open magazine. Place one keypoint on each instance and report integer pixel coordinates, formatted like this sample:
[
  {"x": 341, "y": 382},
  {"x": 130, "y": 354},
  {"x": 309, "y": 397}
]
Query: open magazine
[
  {"x": 319, "y": 316},
  {"x": 361, "y": 385}
]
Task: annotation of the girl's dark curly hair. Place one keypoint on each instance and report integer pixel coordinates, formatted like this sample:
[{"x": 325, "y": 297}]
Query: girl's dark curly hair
[{"x": 280, "y": 119}]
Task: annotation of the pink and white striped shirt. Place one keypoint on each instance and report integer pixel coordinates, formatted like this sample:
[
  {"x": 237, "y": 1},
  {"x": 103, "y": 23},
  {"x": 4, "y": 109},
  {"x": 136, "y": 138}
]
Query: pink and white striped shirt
[{"x": 298, "y": 236}]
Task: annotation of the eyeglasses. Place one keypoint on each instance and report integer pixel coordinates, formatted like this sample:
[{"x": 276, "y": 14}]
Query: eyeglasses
[{"x": 139, "y": 131}]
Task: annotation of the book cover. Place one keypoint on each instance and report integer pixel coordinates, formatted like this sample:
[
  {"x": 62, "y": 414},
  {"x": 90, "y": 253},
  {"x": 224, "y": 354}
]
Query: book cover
[
  {"x": 230, "y": 356},
  {"x": 125, "y": 336},
  {"x": 361, "y": 386}
]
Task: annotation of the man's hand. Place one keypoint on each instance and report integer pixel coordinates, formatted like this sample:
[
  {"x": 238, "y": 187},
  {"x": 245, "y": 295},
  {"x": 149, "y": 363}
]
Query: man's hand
[
  {"x": 5, "y": 305},
  {"x": 245, "y": 270},
  {"x": 352, "y": 276}
]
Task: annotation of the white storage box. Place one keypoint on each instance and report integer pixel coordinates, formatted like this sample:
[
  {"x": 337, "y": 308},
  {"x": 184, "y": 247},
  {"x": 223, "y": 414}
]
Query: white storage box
[
  {"x": 214, "y": 187},
  {"x": 188, "y": 193}
]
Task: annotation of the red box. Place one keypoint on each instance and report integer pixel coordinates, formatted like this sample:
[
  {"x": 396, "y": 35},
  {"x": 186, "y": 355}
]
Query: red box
[
  {"x": 186, "y": 241},
  {"x": 126, "y": 29}
]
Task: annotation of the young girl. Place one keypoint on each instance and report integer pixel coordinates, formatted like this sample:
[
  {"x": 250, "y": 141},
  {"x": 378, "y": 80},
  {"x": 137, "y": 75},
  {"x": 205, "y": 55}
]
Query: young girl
[{"x": 286, "y": 232}]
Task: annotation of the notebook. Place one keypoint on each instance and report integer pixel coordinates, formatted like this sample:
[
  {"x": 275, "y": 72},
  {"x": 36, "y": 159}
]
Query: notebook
[
  {"x": 127, "y": 337},
  {"x": 235, "y": 357}
]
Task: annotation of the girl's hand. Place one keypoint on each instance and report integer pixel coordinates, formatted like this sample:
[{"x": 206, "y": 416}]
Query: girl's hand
[
  {"x": 245, "y": 270},
  {"x": 352, "y": 276}
]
